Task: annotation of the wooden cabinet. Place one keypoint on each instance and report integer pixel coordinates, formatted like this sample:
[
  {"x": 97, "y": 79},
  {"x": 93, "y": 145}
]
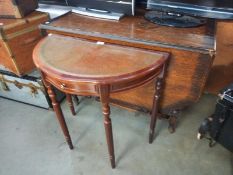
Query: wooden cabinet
[
  {"x": 17, "y": 8},
  {"x": 18, "y": 37}
]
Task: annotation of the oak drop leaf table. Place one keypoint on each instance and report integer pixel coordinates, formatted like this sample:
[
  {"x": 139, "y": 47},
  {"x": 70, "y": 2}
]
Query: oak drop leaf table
[{"x": 82, "y": 67}]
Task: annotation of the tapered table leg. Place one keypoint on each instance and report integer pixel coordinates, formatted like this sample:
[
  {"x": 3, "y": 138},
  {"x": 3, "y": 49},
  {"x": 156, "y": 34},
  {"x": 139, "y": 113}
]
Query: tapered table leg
[
  {"x": 59, "y": 114},
  {"x": 104, "y": 97},
  {"x": 70, "y": 103},
  {"x": 154, "y": 113}
]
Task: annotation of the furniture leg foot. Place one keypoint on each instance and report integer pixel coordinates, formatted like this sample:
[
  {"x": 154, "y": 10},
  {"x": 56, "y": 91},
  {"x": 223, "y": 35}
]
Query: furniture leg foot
[
  {"x": 69, "y": 141},
  {"x": 109, "y": 137},
  {"x": 71, "y": 105}
]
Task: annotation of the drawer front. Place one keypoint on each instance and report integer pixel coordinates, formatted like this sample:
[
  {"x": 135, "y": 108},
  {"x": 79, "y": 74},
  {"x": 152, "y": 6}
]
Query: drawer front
[{"x": 73, "y": 87}]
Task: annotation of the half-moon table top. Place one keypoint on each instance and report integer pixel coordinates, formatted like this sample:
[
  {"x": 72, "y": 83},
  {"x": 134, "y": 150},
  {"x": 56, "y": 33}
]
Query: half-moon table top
[{"x": 81, "y": 59}]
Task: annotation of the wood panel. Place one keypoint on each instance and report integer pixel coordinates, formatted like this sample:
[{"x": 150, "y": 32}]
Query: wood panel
[
  {"x": 184, "y": 83},
  {"x": 221, "y": 74},
  {"x": 6, "y": 59}
]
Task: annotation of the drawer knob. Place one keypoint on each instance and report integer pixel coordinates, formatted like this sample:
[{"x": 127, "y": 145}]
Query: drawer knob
[{"x": 63, "y": 86}]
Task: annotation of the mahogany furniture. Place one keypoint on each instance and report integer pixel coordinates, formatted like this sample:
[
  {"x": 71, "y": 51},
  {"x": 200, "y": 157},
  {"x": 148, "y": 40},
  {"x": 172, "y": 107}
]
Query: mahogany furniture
[
  {"x": 82, "y": 67},
  {"x": 18, "y": 37},
  {"x": 192, "y": 51},
  {"x": 17, "y": 8}
]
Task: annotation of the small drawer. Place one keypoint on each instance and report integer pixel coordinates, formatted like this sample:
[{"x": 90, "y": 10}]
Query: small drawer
[
  {"x": 60, "y": 84},
  {"x": 72, "y": 87}
]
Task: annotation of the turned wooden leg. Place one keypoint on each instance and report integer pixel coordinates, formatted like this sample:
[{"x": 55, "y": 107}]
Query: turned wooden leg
[
  {"x": 104, "y": 97},
  {"x": 154, "y": 113},
  {"x": 59, "y": 114},
  {"x": 70, "y": 103}
]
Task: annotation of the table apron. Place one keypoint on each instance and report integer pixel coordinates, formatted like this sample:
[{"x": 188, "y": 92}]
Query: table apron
[{"x": 92, "y": 88}]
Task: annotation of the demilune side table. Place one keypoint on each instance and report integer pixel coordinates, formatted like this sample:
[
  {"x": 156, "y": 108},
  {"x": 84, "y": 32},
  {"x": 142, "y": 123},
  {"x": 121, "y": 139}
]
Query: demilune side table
[{"x": 81, "y": 67}]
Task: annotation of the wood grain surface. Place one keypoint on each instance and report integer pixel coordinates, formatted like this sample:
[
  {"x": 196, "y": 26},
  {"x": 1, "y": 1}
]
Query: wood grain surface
[
  {"x": 94, "y": 60},
  {"x": 221, "y": 74},
  {"x": 96, "y": 63}
]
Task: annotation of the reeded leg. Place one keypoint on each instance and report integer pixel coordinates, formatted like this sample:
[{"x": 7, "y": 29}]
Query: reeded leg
[
  {"x": 104, "y": 97},
  {"x": 70, "y": 102},
  {"x": 59, "y": 114},
  {"x": 154, "y": 113}
]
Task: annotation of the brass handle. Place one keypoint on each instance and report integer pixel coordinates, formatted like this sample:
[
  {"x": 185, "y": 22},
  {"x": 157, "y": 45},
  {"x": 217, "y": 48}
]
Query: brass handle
[{"x": 63, "y": 86}]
